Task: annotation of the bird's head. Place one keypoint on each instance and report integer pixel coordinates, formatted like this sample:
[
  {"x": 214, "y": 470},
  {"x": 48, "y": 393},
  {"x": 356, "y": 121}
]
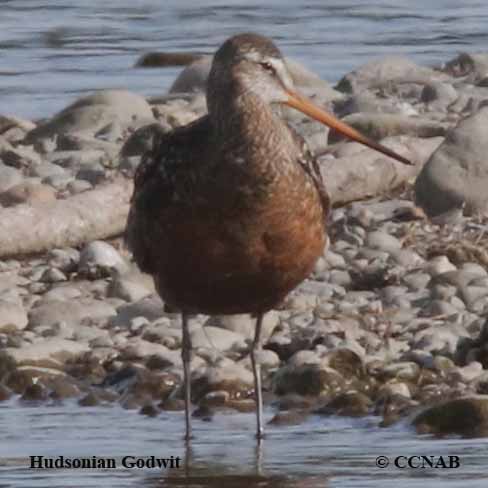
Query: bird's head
[{"x": 251, "y": 63}]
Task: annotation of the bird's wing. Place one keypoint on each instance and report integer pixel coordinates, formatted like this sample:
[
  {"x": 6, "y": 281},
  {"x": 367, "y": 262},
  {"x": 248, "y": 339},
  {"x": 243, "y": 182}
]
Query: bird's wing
[{"x": 165, "y": 171}]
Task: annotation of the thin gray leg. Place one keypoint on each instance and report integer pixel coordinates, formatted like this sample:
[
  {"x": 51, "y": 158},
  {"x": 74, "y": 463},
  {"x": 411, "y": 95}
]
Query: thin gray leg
[
  {"x": 256, "y": 371},
  {"x": 186, "y": 357}
]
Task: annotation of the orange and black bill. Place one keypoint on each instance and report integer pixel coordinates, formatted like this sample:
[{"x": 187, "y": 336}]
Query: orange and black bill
[{"x": 308, "y": 108}]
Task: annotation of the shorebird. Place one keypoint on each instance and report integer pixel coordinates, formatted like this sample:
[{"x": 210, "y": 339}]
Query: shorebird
[{"x": 228, "y": 213}]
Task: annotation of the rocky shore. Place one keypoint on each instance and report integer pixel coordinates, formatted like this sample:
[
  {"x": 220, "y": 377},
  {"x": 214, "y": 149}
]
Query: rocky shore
[{"x": 393, "y": 321}]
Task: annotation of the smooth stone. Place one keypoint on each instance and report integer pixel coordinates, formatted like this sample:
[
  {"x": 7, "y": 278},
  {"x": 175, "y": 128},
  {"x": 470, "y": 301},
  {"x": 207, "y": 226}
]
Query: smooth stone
[
  {"x": 51, "y": 348},
  {"x": 78, "y": 186},
  {"x": 245, "y": 325},
  {"x": 335, "y": 260},
  {"x": 306, "y": 380},
  {"x": 91, "y": 113},
  {"x": 53, "y": 275},
  {"x": 217, "y": 338},
  {"x": 150, "y": 307},
  {"x": 9, "y": 177},
  {"x": 138, "y": 348},
  {"x": 386, "y": 70},
  {"x": 474, "y": 268},
  {"x": 12, "y": 316},
  {"x": 382, "y": 241},
  {"x": 45, "y": 170},
  {"x": 395, "y": 388},
  {"x": 21, "y": 157},
  {"x": 340, "y": 277},
  {"x": 28, "y": 193},
  {"x": 406, "y": 257},
  {"x": 456, "y": 176},
  {"x": 93, "y": 173},
  {"x": 417, "y": 280},
  {"x": 407, "y": 371},
  {"x": 439, "y": 94},
  {"x": 467, "y": 417},
  {"x": 65, "y": 260},
  {"x": 439, "y": 265},
  {"x": 435, "y": 339},
  {"x": 460, "y": 279},
  {"x": 381, "y": 125},
  {"x": 439, "y": 307},
  {"x": 467, "y": 373},
  {"x": 349, "y": 404},
  {"x": 48, "y": 312},
  {"x": 131, "y": 288},
  {"x": 471, "y": 67},
  {"x": 227, "y": 376},
  {"x": 471, "y": 294},
  {"x": 442, "y": 292},
  {"x": 98, "y": 258}
]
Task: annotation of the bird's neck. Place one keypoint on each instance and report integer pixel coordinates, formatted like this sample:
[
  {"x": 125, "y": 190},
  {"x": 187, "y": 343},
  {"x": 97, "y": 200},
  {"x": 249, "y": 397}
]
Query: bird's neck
[{"x": 243, "y": 118}]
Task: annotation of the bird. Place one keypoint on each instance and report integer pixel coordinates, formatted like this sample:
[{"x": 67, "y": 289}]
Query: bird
[{"x": 228, "y": 213}]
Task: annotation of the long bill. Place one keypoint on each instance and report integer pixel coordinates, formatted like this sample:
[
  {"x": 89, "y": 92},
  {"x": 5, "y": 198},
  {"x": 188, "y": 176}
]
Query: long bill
[{"x": 308, "y": 108}]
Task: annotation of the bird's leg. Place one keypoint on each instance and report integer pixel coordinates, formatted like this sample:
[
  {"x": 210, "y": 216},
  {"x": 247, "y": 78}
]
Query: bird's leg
[
  {"x": 256, "y": 371},
  {"x": 186, "y": 357}
]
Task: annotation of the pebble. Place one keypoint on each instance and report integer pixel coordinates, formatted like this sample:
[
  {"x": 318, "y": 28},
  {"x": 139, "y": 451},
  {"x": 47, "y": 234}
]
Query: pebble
[{"x": 98, "y": 258}]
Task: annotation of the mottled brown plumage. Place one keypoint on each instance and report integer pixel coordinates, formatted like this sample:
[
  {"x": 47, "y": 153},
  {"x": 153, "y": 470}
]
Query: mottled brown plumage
[{"x": 228, "y": 213}]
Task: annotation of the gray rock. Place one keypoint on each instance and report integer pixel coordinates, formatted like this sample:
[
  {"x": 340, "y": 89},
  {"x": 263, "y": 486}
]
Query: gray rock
[
  {"x": 93, "y": 173},
  {"x": 467, "y": 373},
  {"x": 406, "y": 258},
  {"x": 98, "y": 258},
  {"x": 456, "y": 175},
  {"x": 53, "y": 275},
  {"x": 72, "y": 312},
  {"x": 245, "y": 325},
  {"x": 62, "y": 293},
  {"x": 91, "y": 113},
  {"x": 64, "y": 259},
  {"x": 379, "y": 126},
  {"x": 194, "y": 77},
  {"x": 439, "y": 95},
  {"x": 79, "y": 186},
  {"x": 382, "y": 241},
  {"x": 150, "y": 307},
  {"x": 21, "y": 157},
  {"x": 130, "y": 288},
  {"x": 439, "y": 307},
  {"x": 416, "y": 280},
  {"x": 472, "y": 67},
  {"x": 439, "y": 265},
  {"x": 138, "y": 348},
  {"x": 388, "y": 69},
  {"x": 12, "y": 315},
  {"x": 8, "y": 177},
  {"x": 47, "y": 170},
  {"x": 217, "y": 338},
  {"x": 28, "y": 193},
  {"x": 52, "y": 349}
]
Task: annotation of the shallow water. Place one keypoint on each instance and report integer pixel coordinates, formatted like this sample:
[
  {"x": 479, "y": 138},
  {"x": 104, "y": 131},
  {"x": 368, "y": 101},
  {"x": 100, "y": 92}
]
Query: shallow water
[
  {"x": 322, "y": 452},
  {"x": 54, "y": 50}
]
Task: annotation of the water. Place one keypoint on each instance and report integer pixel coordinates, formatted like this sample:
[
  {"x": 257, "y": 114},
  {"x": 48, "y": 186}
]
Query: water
[
  {"x": 54, "y": 50},
  {"x": 332, "y": 452}
]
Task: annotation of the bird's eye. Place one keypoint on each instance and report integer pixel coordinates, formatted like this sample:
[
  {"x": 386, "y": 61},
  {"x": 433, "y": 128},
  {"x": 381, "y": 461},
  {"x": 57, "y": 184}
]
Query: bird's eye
[{"x": 267, "y": 66}]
